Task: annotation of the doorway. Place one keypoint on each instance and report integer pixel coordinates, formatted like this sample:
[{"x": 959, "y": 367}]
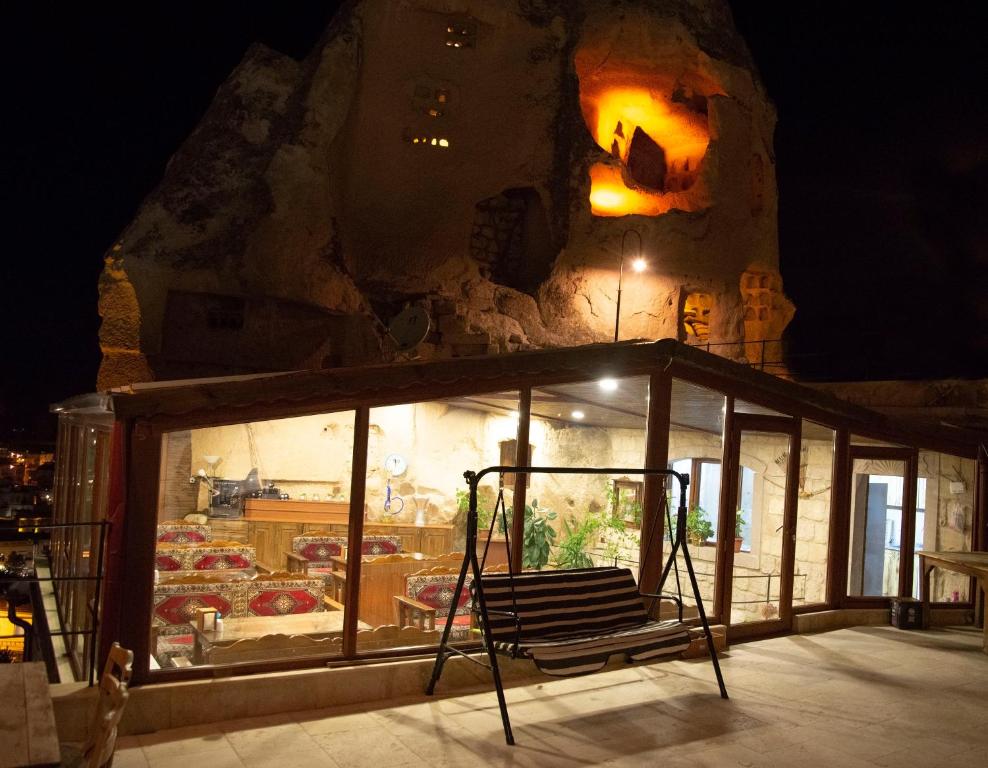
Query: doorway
[{"x": 757, "y": 525}]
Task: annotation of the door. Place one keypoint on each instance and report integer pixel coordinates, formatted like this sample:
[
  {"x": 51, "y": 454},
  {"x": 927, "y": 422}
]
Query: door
[
  {"x": 882, "y": 523},
  {"x": 757, "y": 526}
]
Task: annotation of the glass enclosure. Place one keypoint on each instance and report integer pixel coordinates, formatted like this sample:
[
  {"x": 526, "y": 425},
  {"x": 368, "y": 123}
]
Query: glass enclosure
[
  {"x": 876, "y": 527},
  {"x": 574, "y": 520},
  {"x": 944, "y": 520},
  {"x": 696, "y": 427},
  {"x": 760, "y": 506},
  {"x": 816, "y": 473},
  {"x": 261, "y": 555},
  {"x": 80, "y": 501},
  {"x": 251, "y": 520},
  {"x": 415, "y": 511}
]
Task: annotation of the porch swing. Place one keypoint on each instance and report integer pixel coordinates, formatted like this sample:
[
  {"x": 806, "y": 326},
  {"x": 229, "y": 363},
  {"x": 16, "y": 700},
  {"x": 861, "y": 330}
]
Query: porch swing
[{"x": 570, "y": 622}]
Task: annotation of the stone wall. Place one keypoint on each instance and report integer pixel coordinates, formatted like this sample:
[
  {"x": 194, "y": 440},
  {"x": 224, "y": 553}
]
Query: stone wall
[{"x": 404, "y": 163}]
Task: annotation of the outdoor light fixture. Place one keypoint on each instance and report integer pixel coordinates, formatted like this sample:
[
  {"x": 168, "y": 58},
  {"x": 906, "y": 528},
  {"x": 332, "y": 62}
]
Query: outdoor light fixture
[{"x": 638, "y": 265}]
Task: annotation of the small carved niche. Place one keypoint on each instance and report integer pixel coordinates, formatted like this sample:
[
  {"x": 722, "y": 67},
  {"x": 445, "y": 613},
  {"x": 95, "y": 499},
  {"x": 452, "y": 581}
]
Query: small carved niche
[{"x": 696, "y": 316}]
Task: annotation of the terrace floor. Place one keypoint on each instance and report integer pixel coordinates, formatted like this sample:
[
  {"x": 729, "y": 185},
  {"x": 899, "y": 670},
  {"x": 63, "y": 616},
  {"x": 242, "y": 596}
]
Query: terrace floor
[{"x": 852, "y": 698}]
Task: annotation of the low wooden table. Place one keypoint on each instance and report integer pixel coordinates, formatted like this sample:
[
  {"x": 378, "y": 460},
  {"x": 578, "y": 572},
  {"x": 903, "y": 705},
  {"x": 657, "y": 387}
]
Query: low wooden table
[
  {"x": 27, "y": 719},
  {"x": 265, "y": 637},
  {"x": 969, "y": 563}
]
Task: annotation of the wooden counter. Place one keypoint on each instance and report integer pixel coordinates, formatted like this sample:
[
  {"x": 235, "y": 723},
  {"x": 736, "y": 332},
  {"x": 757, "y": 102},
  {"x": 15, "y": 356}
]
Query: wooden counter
[
  {"x": 270, "y": 529},
  {"x": 294, "y": 511}
]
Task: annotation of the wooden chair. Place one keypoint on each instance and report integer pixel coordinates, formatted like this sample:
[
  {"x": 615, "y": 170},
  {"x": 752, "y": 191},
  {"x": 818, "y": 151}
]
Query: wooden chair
[
  {"x": 97, "y": 750},
  {"x": 428, "y": 602}
]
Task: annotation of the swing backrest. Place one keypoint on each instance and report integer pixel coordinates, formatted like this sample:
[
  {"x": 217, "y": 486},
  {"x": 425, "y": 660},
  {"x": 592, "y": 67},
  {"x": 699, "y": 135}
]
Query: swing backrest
[{"x": 558, "y": 603}]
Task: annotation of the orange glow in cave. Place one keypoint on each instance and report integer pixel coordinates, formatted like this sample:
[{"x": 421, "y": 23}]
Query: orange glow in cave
[{"x": 665, "y": 160}]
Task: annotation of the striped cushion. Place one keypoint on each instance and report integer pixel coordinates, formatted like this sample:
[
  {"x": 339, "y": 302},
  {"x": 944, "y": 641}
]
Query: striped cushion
[{"x": 573, "y": 621}]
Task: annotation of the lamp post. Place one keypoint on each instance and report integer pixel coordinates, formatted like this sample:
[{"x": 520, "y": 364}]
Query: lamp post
[{"x": 638, "y": 265}]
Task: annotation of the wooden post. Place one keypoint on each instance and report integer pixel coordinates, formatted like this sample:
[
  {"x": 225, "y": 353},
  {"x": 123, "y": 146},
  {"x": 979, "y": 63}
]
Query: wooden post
[
  {"x": 355, "y": 529},
  {"x": 653, "y": 497}
]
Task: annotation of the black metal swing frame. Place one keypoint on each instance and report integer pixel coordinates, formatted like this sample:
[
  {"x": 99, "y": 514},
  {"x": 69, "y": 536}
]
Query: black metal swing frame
[{"x": 471, "y": 563}]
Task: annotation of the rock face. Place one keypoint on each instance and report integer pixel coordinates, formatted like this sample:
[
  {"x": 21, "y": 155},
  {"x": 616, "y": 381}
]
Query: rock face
[{"x": 493, "y": 163}]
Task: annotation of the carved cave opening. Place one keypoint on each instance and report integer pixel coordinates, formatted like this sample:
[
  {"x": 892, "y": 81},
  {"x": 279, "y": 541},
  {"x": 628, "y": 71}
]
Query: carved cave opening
[
  {"x": 655, "y": 129},
  {"x": 511, "y": 240}
]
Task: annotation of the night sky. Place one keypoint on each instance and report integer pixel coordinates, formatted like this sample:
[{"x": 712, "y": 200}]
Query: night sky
[{"x": 880, "y": 149}]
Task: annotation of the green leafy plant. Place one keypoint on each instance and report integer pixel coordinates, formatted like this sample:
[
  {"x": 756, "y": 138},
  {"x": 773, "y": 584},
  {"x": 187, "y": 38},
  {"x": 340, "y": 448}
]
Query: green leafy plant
[
  {"x": 6, "y": 656},
  {"x": 698, "y": 527},
  {"x": 484, "y": 511},
  {"x": 738, "y": 524},
  {"x": 538, "y": 537},
  {"x": 572, "y": 551}
]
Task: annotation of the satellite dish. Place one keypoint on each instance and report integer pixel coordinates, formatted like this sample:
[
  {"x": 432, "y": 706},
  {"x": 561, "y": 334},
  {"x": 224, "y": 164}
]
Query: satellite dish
[{"x": 409, "y": 327}]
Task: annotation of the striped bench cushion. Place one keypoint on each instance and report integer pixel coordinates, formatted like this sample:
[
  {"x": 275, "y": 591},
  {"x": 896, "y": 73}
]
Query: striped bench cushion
[{"x": 573, "y": 621}]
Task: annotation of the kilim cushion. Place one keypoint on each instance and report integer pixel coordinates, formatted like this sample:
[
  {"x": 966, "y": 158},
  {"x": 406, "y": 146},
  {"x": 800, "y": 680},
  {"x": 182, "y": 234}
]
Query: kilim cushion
[
  {"x": 318, "y": 549},
  {"x": 380, "y": 545},
  {"x": 203, "y": 557},
  {"x": 573, "y": 621},
  {"x": 174, "y": 533},
  {"x": 282, "y": 597},
  {"x": 436, "y": 591}
]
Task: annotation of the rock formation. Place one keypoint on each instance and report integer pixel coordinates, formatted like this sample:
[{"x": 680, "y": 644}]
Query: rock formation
[{"x": 483, "y": 160}]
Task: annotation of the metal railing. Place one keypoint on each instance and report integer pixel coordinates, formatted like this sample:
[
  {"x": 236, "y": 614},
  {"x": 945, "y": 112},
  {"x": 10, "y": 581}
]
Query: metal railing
[{"x": 31, "y": 590}]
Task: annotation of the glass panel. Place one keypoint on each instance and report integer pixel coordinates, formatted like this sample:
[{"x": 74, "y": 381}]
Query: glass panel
[
  {"x": 696, "y": 448},
  {"x": 816, "y": 470},
  {"x": 944, "y": 520},
  {"x": 415, "y": 514},
  {"x": 594, "y": 519},
  {"x": 876, "y": 527},
  {"x": 757, "y": 572},
  {"x": 248, "y": 516}
]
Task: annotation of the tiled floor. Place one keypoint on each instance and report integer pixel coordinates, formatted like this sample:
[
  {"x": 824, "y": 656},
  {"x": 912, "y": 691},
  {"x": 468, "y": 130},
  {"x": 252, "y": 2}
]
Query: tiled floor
[{"x": 854, "y": 698}]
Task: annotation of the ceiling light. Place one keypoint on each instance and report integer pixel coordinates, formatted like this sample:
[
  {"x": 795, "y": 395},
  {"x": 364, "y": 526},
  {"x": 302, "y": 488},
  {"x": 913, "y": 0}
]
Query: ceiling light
[
  {"x": 578, "y": 414},
  {"x": 608, "y": 385}
]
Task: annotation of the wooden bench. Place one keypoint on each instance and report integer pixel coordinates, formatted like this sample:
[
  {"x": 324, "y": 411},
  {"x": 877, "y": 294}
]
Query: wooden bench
[{"x": 571, "y": 622}]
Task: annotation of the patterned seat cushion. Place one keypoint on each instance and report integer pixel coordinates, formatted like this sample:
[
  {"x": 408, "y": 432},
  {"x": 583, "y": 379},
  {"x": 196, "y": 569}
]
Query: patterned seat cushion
[
  {"x": 178, "y": 603},
  {"x": 282, "y": 597},
  {"x": 185, "y": 533},
  {"x": 380, "y": 545},
  {"x": 203, "y": 557},
  {"x": 436, "y": 591},
  {"x": 318, "y": 549}
]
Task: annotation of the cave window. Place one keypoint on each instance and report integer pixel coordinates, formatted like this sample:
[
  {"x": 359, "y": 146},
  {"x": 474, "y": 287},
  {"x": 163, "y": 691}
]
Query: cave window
[
  {"x": 461, "y": 32},
  {"x": 696, "y": 317},
  {"x": 225, "y": 313},
  {"x": 511, "y": 240}
]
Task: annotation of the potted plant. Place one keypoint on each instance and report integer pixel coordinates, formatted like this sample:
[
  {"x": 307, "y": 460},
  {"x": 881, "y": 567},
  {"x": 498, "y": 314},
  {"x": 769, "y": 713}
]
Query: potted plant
[
  {"x": 738, "y": 524},
  {"x": 698, "y": 527},
  {"x": 539, "y": 536}
]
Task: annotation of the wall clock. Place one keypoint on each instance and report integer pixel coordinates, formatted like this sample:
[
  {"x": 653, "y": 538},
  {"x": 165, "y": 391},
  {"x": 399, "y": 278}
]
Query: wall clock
[{"x": 395, "y": 464}]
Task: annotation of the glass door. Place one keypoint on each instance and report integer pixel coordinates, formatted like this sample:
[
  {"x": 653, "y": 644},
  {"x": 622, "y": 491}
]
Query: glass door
[
  {"x": 881, "y": 520},
  {"x": 757, "y": 525}
]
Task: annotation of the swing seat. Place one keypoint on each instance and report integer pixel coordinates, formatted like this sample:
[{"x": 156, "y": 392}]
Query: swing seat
[{"x": 571, "y": 622}]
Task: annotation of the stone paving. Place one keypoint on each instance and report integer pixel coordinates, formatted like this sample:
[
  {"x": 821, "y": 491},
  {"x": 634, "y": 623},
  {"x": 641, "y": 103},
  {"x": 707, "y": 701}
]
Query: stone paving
[{"x": 853, "y": 698}]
